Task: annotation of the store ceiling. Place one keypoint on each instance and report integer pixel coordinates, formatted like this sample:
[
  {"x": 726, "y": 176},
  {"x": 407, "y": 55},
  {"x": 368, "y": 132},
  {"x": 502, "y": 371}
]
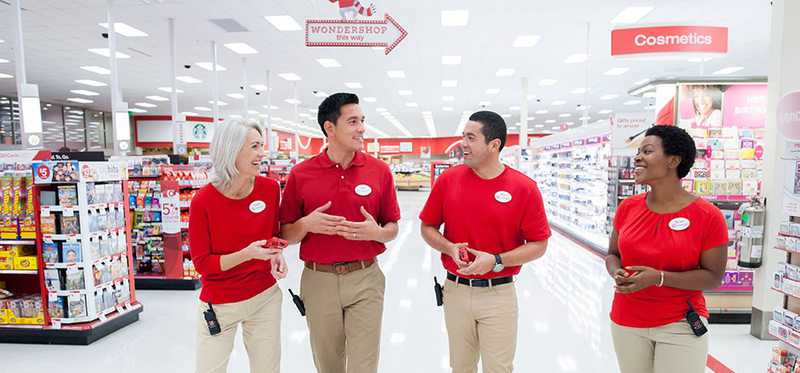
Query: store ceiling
[{"x": 59, "y": 34}]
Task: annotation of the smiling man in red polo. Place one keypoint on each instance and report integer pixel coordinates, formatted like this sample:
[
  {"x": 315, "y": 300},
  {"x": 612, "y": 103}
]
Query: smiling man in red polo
[
  {"x": 496, "y": 214},
  {"x": 342, "y": 206}
]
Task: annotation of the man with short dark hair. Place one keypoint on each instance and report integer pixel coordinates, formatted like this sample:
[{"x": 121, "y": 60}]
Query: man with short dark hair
[
  {"x": 496, "y": 214},
  {"x": 342, "y": 206}
]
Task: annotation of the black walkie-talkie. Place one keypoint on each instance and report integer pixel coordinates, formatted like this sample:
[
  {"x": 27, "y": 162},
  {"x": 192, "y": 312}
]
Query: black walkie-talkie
[
  {"x": 695, "y": 323},
  {"x": 437, "y": 289},
  {"x": 298, "y": 303},
  {"x": 211, "y": 320}
]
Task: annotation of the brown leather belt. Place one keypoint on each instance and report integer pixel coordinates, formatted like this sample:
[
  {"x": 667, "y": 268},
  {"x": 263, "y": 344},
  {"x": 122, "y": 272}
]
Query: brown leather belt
[{"x": 340, "y": 268}]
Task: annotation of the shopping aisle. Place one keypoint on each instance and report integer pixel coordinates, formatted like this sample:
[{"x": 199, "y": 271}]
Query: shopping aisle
[{"x": 564, "y": 302}]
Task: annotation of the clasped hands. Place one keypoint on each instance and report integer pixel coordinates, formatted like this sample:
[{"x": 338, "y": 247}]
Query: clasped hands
[{"x": 321, "y": 223}]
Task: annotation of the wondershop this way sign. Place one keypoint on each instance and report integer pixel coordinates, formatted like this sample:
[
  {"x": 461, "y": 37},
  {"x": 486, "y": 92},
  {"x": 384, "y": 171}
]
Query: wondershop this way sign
[{"x": 386, "y": 33}]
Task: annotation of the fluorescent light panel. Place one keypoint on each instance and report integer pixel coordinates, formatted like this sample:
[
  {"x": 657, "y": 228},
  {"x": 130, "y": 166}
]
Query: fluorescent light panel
[
  {"x": 157, "y": 98},
  {"x": 451, "y": 18},
  {"x": 328, "y": 62},
  {"x": 145, "y": 104},
  {"x": 97, "y": 70},
  {"x": 209, "y": 66},
  {"x": 91, "y": 83},
  {"x": 616, "y": 71},
  {"x": 526, "y": 41},
  {"x": 84, "y": 92},
  {"x": 292, "y": 77},
  {"x": 79, "y": 100},
  {"x": 125, "y": 30},
  {"x": 547, "y": 82},
  {"x": 576, "y": 58},
  {"x": 353, "y": 85},
  {"x": 631, "y": 15},
  {"x": 728, "y": 70},
  {"x": 283, "y": 23},
  {"x": 106, "y": 53},
  {"x": 188, "y": 79},
  {"x": 241, "y": 48}
]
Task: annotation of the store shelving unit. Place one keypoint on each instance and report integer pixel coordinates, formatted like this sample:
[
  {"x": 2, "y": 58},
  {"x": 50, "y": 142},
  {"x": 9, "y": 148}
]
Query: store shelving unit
[
  {"x": 785, "y": 323},
  {"x": 83, "y": 255}
]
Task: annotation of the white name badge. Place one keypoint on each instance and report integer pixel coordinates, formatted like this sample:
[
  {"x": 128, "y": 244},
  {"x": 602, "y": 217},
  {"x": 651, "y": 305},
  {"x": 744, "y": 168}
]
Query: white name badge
[
  {"x": 503, "y": 196},
  {"x": 257, "y": 206},
  {"x": 363, "y": 190},
  {"x": 679, "y": 224}
]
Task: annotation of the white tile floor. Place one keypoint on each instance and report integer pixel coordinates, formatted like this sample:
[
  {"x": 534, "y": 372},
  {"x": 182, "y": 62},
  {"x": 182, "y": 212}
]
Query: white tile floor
[{"x": 564, "y": 302}]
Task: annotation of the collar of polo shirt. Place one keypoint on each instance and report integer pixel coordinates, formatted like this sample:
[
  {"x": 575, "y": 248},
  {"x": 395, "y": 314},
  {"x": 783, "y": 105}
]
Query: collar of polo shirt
[{"x": 325, "y": 160}]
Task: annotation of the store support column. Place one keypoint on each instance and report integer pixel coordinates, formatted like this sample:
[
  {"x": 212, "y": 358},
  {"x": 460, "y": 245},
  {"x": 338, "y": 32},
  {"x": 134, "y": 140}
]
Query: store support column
[{"x": 783, "y": 78}]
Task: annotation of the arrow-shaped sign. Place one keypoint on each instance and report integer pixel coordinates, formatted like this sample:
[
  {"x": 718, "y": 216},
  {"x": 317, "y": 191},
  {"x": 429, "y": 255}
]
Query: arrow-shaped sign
[{"x": 386, "y": 33}]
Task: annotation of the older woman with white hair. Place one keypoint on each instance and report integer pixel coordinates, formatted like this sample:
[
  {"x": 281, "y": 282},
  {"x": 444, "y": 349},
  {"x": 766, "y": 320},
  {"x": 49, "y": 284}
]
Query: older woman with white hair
[{"x": 230, "y": 226}]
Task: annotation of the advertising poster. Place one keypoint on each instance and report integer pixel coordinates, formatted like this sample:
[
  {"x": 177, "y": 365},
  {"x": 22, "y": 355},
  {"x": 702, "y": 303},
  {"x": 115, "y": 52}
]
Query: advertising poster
[{"x": 627, "y": 132}]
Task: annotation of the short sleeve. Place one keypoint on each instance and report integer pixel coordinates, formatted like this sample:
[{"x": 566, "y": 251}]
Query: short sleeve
[
  {"x": 390, "y": 209},
  {"x": 716, "y": 230},
  {"x": 291, "y": 205},
  {"x": 433, "y": 211},
  {"x": 621, "y": 214},
  {"x": 534, "y": 221}
]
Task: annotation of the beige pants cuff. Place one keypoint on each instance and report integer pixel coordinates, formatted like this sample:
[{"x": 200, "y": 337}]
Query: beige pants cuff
[{"x": 260, "y": 318}]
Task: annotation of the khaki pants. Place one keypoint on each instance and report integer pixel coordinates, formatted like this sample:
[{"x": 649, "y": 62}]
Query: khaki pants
[
  {"x": 344, "y": 315},
  {"x": 260, "y": 317},
  {"x": 667, "y": 349},
  {"x": 481, "y": 322}
]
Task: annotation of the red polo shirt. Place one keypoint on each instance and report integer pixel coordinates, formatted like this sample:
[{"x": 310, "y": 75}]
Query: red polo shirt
[
  {"x": 646, "y": 238},
  {"x": 216, "y": 228},
  {"x": 367, "y": 182},
  {"x": 493, "y": 216}
]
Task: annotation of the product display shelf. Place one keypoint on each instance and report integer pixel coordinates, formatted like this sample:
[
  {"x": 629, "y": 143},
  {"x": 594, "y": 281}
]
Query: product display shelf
[
  {"x": 160, "y": 261},
  {"x": 785, "y": 323},
  {"x": 86, "y": 278},
  {"x": 573, "y": 178}
]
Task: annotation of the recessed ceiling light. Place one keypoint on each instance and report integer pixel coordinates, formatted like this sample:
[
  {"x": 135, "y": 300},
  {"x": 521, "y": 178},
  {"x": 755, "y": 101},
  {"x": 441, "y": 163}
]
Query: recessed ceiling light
[
  {"x": 447, "y": 108},
  {"x": 578, "y": 91},
  {"x": 84, "y": 92},
  {"x": 106, "y": 53},
  {"x": 91, "y": 83},
  {"x": 125, "y": 29},
  {"x": 550, "y": 121},
  {"x": 451, "y": 60},
  {"x": 547, "y": 82},
  {"x": 328, "y": 62},
  {"x": 728, "y": 70},
  {"x": 632, "y": 102},
  {"x": 259, "y": 87},
  {"x": 541, "y": 111},
  {"x": 97, "y": 70},
  {"x": 405, "y": 92},
  {"x": 219, "y": 103},
  {"x": 449, "y": 83},
  {"x": 608, "y": 97},
  {"x": 576, "y": 58},
  {"x": 80, "y": 100},
  {"x": 283, "y": 23},
  {"x": 411, "y": 104},
  {"x": 565, "y": 115},
  {"x": 558, "y": 102},
  {"x": 292, "y": 101},
  {"x": 241, "y": 48},
  {"x": 237, "y": 96},
  {"x": 459, "y": 17},
  {"x": 631, "y": 14},
  {"x": 504, "y": 72},
  {"x": 209, "y": 66},
  {"x": 616, "y": 71},
  {"x": 189, "y": 113},
  {"x": 353, "y": 85},
  {"x": 492, "y": 91},
  {"x": 369, "y": 99},
  {"x": 188, "y": 79},
  {"x": 290, "y": 76},
  {"x": 539, "y": 126},
  {"x": 569, "y": 123},
  {"x": 700, "y": 59},
  {"x": 526, "y": 41},
  {"x": 396, "y": 74},
  {"x": 169, "y": 89},
  {"x": 513, "y": 108},
  {"x": 557, "y": 128},
  {"x": 253, "y": 112},
  {"x": 448, "y": 98},
  {"x": 605, "y": 111},
  {"x": 157, "y": 98},
  {"x": 145, "y": 104}
]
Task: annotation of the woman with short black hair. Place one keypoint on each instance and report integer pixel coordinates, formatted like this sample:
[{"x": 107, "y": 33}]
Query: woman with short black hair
[{"x": 666, "y": 248}]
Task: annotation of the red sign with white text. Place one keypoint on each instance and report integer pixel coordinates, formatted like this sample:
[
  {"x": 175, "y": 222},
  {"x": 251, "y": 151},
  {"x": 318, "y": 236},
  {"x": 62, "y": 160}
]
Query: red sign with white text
[{"x": 669, "y": 39}]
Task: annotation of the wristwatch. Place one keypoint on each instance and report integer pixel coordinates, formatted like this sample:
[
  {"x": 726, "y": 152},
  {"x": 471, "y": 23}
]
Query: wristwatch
[{"x": 498, "y": 263}]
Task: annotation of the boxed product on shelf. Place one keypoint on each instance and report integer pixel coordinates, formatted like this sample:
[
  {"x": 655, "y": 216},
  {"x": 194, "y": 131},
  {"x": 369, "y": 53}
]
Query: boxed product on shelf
[
  {"x": 67, "y": 195},
  {"x": 22, "y": 310},
  {"x": 55, "y": 307},
  {"x": 75, "y": 279},
  {"x": 26, "y": 263},
  {"x": 70, "y": 225},
  {"x": 54, "y": 279},
  {"x": 76, "y": 305},
  {"x": 71, "y": 252},
  {"x": 50, "y": 252}
]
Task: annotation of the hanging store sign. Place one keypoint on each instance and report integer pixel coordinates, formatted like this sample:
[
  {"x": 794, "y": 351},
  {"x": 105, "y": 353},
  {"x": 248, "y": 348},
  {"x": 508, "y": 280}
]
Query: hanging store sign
[
  {"x": 386, "y": 33},
  {"x": 788, "y": 117},
  {"x": 669, "y": 39}
]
